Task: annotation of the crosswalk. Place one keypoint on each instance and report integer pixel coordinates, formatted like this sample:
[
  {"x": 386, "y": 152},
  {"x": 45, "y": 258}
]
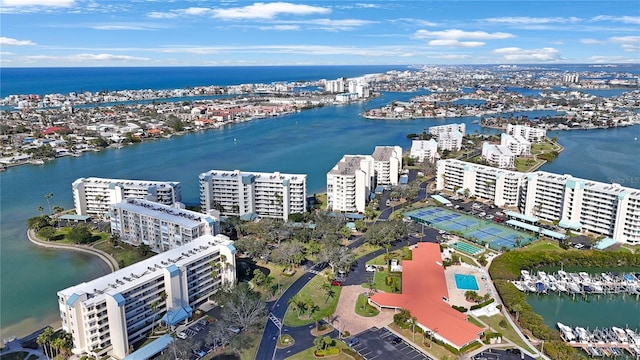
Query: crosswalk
[{"x": 275, "y": 320}]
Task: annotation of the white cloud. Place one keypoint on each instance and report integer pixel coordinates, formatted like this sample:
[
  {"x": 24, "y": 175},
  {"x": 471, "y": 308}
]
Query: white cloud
[
  {"x": 261, "y": 10},
  {"x": 413, "y": 22},
  {"x": 515, "y": 54},
  {"x": 456, "y": 43},
  {"x": 451, "y": 56},
  {"x": 525, "y": 20},
  {"x": 337, "y": 25},
  {"x": 592, "y": 42},
  {"x": 86, "y": 58},
  {"x": 622, "y": 19},
  {"x": 280, "y": 27},
  {"x": 625, "y": 39},
  {"x": 49, "y": 3},
  {"x": 631, "y": 47},
  {"x": 456, "y": 34},
  {"x": 191, "y": 11},
  {"x": 5, "y": 41},
  {"x": 138, "y": 27}
]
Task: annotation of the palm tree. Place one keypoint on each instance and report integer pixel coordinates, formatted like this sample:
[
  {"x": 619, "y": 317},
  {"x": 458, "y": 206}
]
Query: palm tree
[
  {"x": 153, "y": 306},
  {"x": 293, "y": 304},
  {"x": 41, "y": 210},
  {"x": 47, "y": 197},
  {"x": 44, "y": 339},
  {"x": 328, "y": 290},
  {"x": 413, "y": 327},
  {"x": 516, "y": 308}
]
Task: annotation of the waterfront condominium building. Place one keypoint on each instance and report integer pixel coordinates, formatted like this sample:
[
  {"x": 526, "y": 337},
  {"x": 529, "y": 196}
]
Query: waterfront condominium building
[
  {"x": 606, "y": 209},
  {"x": 600, "y": 208},
  {"x": 92, "y": 196},
  {"x": 248, "y": 194},
  {"x": 451, "y": 141},
  {"x": 349, "y": 183},
  {"x": 516, "y": 143},
  {"x": 424, "y": 150},
  {"x": 497, "y": 185},
  {"x": 441, "y": 129},
  {"x": 161, "y": 227},
  {"x": 387, "y": 163},
  {"x": 108, "y": 314},
  {"x": 531, "y": 134},
  {"x": 498, "y": 155}
]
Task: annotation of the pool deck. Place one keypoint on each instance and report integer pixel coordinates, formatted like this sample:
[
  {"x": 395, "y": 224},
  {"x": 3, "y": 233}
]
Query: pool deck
[{"x": 456, "y": 296}]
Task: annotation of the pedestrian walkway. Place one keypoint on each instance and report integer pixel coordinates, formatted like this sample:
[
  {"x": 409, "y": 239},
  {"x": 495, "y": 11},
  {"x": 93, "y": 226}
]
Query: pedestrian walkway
[{"x": 14, "y": 345}]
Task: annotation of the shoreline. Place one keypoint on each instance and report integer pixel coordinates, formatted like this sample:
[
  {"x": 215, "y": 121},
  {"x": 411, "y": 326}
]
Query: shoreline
[{"x": 108, "y": 259}]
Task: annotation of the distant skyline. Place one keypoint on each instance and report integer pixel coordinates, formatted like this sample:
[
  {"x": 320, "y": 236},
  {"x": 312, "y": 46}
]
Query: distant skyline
[{"x": 52, "y": 33}]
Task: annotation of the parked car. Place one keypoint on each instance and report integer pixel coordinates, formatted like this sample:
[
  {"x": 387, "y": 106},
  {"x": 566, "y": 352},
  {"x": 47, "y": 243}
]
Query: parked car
[
  {"x": 370, "y": 268},
  {"x": 396, "y": 340},
  {"x": 234, "y": 329},
  {"x": 182, "y": 335},
  {"x": 336, "y": 283},
  {"x": 353, "y": 341}
]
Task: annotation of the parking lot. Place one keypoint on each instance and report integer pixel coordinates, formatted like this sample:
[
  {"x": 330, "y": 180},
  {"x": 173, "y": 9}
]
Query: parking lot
[{"x": 383, "y": 344}]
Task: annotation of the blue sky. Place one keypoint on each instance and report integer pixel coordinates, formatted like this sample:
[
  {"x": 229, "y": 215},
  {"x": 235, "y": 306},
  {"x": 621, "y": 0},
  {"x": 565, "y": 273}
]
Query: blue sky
[{"x": 211, "y": 33}]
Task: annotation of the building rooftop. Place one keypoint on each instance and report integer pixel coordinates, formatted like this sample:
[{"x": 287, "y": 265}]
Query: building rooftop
[
  {"x": 141, "y": 272},
  {"x": 167, "y": 213}
]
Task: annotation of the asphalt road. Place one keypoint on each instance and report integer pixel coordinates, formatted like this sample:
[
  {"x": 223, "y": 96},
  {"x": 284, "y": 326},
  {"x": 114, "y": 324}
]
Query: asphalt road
[{"x": 267, "y": 349}]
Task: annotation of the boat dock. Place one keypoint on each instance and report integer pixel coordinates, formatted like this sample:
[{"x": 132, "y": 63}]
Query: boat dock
[
  {"x": 579, "y": 283},
  {"x": 606, "y": 342}
]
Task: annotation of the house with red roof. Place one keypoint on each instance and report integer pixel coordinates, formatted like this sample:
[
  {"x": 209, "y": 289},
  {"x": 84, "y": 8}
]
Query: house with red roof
[{"x": 425, "y": 295}]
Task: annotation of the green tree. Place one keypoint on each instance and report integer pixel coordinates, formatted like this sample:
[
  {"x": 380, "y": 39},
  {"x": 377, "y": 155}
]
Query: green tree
[
  {"x": 47, "y": 232},
  {"x": 79, "y": 234},
  {"x": 44, "y": 340},
  {"x": 47, "y": 197},
  {"x": 38, "y": 222}
]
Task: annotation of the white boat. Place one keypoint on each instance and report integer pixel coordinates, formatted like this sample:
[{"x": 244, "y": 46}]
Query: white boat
[
  {"x": 583, "y": 334},
  {"x": 561, "y": 287},
  {"x": 525, "y": 275},
  {"x": 584, "y": 277},
  {"x": 573, "y": 287},
  {"x": 566, "y": 331},
  {"x": 552, "y": 286},
  {"x": 563, "y": 275},
  {"x": 519, "y": 285},
  {"x": 542, "y": 276},
  {"x": 633, "y": 337},
  {"x": 620, "y": 334},
  {"x": 551, "y": 278},
  {"x": 597, "y": 288}
]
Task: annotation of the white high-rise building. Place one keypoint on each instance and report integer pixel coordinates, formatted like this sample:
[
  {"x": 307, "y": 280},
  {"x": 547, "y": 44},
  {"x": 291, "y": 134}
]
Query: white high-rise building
[
  {"x": 335, "y": 86},
  {"x": 350, "y": 182},
  {"x": 531, "y": 134},
  {"x": 93, "y": 196},
  {"x": 441, "y": 129},
  {"x": 161, "y": 227},
  {"x": 451, "y": 141},
  {"x": 108, "y": 314},
  {"x": 498, "y": 155},
  {"x": 387, "y": 164},
  {"x": 272, "y": 195},
  {"x": 600, "y": 208},
  {"x": 424, "y": 150},
  {"x": 516, "y": 143},
  {"x": 497, "y": 185}
]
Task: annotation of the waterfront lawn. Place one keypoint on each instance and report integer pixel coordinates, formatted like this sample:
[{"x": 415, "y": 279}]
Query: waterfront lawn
[
  {"x": 313, "y": 292},
  {"x": 525, "y": 164},
  {"x": 544, "y": 245},
  {"x": 124, "y": 254},
  {"x": 507, "y": 333},
  {"x": 543, "y": 147}
]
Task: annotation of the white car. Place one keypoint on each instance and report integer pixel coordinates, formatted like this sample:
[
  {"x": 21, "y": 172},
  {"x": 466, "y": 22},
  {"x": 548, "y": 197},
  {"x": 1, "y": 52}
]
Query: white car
[
  {"x": 182, "y": 335},
  {"x": 370, "y": 268}
]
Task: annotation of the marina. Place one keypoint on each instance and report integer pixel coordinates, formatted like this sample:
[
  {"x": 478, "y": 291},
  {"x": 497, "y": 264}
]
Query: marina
[
  {"x": 580, "y": 283},
  {"x": 605, "y": 342}
]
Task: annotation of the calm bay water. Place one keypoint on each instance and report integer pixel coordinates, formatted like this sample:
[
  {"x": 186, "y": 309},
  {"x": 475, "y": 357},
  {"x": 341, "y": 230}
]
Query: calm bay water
[{"x": 310, "y": 142}]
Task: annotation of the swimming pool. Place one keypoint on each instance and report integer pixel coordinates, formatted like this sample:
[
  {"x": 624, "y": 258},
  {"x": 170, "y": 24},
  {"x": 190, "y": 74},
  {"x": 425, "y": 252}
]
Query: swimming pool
[{"x": 466, "y": 282}]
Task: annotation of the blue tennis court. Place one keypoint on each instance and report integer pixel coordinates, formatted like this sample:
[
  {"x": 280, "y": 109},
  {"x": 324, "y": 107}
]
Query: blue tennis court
[{"x": 471, "y": 228}]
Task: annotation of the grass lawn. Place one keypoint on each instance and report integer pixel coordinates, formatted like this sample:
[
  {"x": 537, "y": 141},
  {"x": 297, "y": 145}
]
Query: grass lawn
[
  {"x": 508, "y": 332},
  {"x": 308, "y": 354},
  {"x": 314, "y": 292},
  {"x": 525, "y": 164},
  {"x": 544, "y": 245},
  {"x": 380, "y": 282},
  {"x": 125, "y": 254},
  {"x": 364, "y": 309},
  {"x": 476, "y": 322},
  {"x": 365, "y": 249},
  {"x": 277, "y": 272}
]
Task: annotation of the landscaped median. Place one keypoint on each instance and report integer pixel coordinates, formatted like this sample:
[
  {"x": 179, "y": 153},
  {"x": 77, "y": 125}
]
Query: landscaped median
[{"x": 315, "y": 301}]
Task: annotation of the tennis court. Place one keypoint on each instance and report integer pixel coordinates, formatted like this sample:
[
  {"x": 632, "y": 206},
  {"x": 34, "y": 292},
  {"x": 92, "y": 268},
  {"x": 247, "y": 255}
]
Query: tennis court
[{"x": 480, "y": 231}]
